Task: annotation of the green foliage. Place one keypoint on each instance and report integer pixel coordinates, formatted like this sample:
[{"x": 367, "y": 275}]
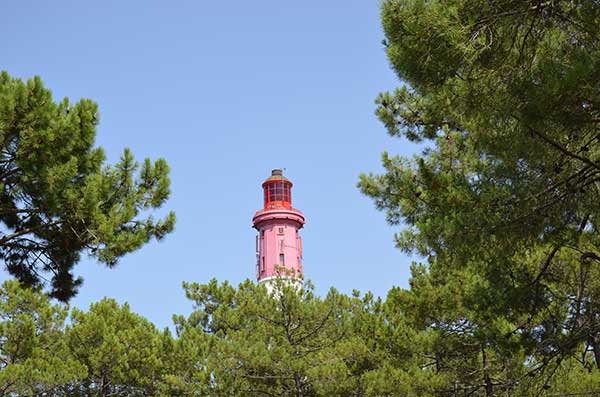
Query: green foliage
[
  {"x": 57, "y": 199},
  {"x": 503, "y": 204},
  {"x": 247, "y": 341},
  {"x": 34, "y": 358},
  {"x": 257, "y": 343},
  {"x": 120, "y": 350},
  {"x": 107, "y": 351}
]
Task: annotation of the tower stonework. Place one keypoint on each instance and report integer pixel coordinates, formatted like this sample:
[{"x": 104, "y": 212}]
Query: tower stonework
[{"x": 278, "y": 243}]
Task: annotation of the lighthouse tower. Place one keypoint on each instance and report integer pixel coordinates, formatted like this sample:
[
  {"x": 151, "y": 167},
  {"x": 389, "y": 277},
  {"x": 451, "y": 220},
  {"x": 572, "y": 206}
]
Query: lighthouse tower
[{"x": 278, "y": 243}]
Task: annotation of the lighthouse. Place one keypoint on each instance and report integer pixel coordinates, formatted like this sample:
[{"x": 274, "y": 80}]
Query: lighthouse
[{"x": 278, "y": 243}]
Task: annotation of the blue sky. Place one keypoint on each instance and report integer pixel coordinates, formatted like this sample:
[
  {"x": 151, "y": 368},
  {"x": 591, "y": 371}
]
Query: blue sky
[{"x": 226, "y": 91}]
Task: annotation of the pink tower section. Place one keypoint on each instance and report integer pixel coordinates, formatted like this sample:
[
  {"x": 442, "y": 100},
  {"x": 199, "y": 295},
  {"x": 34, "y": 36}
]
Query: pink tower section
[{"x": 278, "y": 243}]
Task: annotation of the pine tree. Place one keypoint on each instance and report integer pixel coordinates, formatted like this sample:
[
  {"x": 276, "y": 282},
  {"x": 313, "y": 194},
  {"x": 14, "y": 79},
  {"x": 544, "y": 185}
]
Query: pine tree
[
  {"x": 34, "y": 357},
  {"x": 120, "y": 350},
  {"x": 57, "y": 197},
  {"x": 503, "y": 204}
]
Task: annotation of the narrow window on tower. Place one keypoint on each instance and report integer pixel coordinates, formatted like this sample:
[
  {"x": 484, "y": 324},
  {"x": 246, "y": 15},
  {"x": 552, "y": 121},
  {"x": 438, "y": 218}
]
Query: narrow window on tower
[
  {"x": 281, "y": 260},
  {"x": 263, "y": 264}
]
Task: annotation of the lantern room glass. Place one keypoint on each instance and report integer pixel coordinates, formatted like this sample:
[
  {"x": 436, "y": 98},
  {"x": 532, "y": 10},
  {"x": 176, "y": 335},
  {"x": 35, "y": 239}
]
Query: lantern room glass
[{"x": 278, "y": 191}]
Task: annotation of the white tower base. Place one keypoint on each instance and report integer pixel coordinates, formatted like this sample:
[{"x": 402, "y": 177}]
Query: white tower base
[{"x": 274, "y": 284}]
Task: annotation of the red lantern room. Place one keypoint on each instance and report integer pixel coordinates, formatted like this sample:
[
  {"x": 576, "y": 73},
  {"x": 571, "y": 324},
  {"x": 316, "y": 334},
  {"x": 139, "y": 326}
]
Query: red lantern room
[{"x": 277, "y": 191}]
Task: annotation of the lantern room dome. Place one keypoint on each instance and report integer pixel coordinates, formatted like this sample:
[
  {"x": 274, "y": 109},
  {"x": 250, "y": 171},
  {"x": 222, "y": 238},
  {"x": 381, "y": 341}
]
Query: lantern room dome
[{"x": 276, "y": 175}]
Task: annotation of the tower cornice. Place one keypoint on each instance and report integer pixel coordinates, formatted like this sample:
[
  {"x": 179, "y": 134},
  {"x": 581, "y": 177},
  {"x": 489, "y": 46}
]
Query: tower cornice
[{"x": 278, "y": 214}]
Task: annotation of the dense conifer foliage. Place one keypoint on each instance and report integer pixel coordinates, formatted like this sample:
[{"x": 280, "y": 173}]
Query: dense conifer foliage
[
  {"x": 245, "y": 341},
  {"x": 107, "y": 351},
  {"x": 293, "y": 343},
  {"x": 58, "y": 199},
  {"x": 503, "y": 205},
  {"x": 240, "y": 341},
  {"x": 34, "y": 356}
]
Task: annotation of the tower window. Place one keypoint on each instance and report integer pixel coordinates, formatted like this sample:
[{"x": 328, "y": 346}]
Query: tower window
[
  {"x": 281, "y": 230},
  {"x": 263, "y": 264},
  {"x": 281, "y": 260}
]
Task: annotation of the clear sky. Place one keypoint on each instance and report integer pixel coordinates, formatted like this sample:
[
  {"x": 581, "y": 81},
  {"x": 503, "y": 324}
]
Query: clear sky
[{"x": 226, "y": 91}]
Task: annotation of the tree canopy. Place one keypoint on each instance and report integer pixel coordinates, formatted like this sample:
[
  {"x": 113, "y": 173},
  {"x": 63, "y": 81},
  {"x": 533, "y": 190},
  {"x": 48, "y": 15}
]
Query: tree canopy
[
  {"x": 503, "y": 203},
  {"x": 58, "y": 199},
  {"x": 238, "y": 341},
  {"x": 243, "y": 340}
]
